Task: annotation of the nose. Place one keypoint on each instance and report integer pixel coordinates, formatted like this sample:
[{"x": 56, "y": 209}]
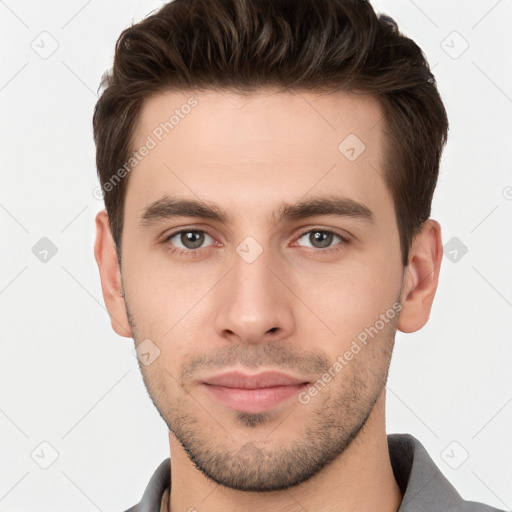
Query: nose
[{"x": 257, "y": 306}]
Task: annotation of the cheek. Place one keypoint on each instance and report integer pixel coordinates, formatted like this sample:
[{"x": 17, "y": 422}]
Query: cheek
[
  {"x": 349, "y": 298},
  {"x": 164, "y": 298}
]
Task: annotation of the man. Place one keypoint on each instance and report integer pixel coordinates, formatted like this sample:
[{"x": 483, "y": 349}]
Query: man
[{"x": 268, "y": 169}]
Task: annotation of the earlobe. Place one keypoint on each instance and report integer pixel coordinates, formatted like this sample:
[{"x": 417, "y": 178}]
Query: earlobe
[
  {"x": 421, "y": 277},
  {"x": 110, "y": 275}
]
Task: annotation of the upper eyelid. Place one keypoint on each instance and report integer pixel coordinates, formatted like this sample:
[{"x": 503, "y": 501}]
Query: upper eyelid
[
  {"x": 172, "y": 233},
  {"x": 323, "y": 230}
]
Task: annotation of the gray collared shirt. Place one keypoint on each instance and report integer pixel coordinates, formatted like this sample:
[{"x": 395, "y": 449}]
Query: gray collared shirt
[{"x": 423, "y": 486}]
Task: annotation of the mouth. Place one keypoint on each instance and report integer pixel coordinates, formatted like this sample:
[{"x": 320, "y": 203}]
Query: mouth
[{"x": 253, "y": 393}]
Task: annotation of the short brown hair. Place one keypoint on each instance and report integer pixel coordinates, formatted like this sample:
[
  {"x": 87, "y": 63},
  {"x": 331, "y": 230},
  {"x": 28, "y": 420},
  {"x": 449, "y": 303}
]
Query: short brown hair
[{"x": 295, "y": 45}]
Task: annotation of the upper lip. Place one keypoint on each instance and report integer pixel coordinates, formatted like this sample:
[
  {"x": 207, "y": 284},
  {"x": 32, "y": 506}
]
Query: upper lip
[{"x": 241, "y": 380}]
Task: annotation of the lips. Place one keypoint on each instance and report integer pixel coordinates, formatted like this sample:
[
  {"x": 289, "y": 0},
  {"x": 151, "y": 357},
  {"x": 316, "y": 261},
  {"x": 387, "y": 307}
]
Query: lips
[
  {"x": 253, "y": 393},
  {"x": 260, "y": 380}
]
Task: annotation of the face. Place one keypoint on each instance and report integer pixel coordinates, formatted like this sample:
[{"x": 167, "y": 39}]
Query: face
[{"x": 261, "y": 267}]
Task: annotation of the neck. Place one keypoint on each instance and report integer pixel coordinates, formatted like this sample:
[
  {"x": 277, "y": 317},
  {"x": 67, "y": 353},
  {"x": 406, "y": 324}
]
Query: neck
[{"x": 361, "y": 479}]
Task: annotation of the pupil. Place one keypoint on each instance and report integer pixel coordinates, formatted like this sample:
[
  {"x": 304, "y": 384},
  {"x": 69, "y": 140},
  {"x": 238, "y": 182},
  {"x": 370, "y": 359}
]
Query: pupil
[
  {"x": 192, "y": 239},
  {"x": 320, "y": 239}
]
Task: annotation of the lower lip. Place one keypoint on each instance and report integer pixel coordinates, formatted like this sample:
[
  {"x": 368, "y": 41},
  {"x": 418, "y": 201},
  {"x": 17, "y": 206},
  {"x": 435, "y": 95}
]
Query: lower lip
[{"x": 254, "y": 400}]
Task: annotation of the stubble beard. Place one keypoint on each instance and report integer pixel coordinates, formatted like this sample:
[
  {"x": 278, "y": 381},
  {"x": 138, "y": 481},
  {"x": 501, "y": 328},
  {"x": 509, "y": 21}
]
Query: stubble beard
[{"x": 338, "y": 414}]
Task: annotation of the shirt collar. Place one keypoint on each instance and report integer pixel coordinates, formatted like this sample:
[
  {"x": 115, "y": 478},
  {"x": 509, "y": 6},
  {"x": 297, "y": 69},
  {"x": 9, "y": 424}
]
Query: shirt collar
[{"x": 423, "y": 485}]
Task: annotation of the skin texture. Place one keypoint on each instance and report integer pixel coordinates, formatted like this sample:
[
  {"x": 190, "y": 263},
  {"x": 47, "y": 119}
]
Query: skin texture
[{"x": 296, "y": 308}]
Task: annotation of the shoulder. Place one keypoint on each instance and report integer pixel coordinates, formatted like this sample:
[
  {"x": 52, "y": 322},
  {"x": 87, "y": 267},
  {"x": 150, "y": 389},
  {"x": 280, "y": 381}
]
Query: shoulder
[
  {"x": 159, "y": 482},
  {"x": 423, "y": 485},
  {"x": 473, "y": 506}
]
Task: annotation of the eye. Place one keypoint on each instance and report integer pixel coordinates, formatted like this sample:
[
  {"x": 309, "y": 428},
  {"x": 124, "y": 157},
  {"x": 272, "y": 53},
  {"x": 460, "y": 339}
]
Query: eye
[
  {"x": 320, "y": 238},
  {"x": 189, "y": 239}
]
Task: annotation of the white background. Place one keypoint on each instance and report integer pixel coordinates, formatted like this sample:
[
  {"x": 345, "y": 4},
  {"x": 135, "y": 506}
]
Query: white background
[{"x": 66, "y": 378}]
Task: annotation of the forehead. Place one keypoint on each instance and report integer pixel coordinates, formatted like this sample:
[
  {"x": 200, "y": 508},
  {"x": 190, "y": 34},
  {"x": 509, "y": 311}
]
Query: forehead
[
  {"x": 263, "y": 113},
  {"x": 225, "y": 146}
]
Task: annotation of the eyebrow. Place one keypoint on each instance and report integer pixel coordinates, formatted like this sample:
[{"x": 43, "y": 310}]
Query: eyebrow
[{"x": 168, "y": 207}]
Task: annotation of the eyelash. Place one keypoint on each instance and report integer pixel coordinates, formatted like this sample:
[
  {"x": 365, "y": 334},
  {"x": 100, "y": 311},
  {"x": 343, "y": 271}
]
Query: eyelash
[{"x": 196, "y": 252}]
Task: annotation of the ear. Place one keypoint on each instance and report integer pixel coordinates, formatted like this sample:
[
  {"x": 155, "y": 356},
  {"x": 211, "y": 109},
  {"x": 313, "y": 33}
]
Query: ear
[
  {"x": 421, "y": 277},
  {"x": 110, "y": 275}
]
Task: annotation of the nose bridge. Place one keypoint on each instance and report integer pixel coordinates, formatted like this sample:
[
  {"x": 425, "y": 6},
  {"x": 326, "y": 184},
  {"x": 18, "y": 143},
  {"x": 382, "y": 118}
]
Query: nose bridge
[
  {"x": 251, "y": 276},
  {"x": 254, "y": 301}
]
